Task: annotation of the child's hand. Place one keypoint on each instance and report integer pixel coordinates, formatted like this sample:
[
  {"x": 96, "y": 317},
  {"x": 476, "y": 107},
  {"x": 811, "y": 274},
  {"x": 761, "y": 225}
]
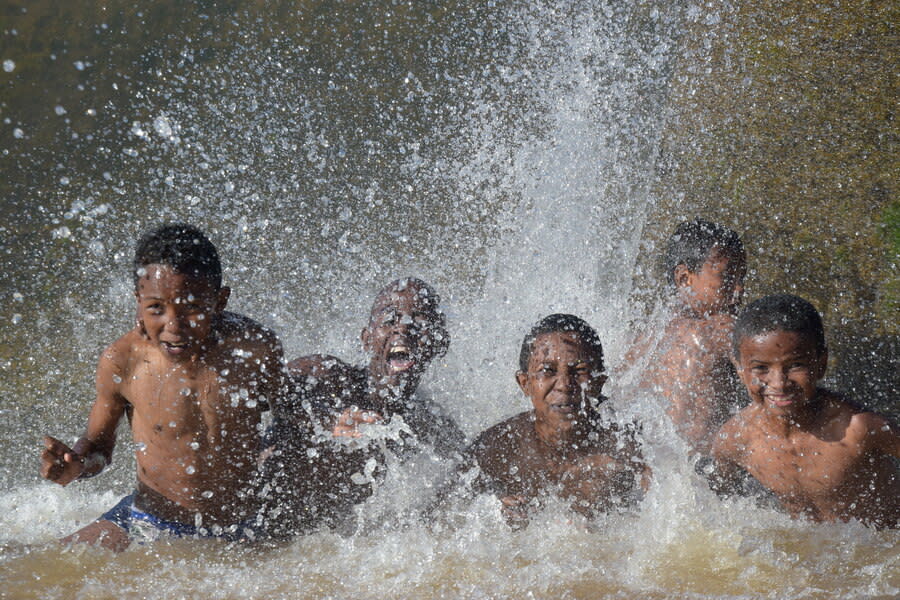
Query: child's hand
[
  {"x": 348, "y": 422},
  {"x": 60, "y": 463}
]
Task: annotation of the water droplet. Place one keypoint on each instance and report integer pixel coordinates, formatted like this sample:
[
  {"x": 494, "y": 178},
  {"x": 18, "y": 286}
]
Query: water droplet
[
  {"x": 9, "y": 65},
  {"x": 195, "y": 445},
  {"x": 190, "y": 470}
]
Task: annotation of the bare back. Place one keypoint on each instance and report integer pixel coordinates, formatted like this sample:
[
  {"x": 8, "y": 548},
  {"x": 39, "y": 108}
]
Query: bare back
[
  {"x": 196, "y": 425},
  {"x": 691, "y": 368}
]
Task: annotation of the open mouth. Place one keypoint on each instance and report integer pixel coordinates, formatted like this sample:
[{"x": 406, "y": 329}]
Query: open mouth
[
  {"x": 781, "y": 399},
  {"x": 174, "y": 348},
  {"x": 400, "y": 358}
]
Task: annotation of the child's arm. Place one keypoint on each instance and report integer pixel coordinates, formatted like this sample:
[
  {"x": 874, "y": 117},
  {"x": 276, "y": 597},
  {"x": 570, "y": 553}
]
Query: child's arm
[
  {"x": 726, "y": 474},
  {"x": 93, "y": 451},
  {"x": 884, "y": 435}
]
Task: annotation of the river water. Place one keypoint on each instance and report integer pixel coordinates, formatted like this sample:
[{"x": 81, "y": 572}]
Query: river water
[{"x": 505, "y": 152}]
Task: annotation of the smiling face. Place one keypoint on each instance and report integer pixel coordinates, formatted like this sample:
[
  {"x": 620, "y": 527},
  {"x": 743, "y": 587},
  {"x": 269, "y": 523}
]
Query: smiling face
[
  {"x": 405, "y": 333},
  {"x": 716, "y": 287},
  {"x": 563, "y": 378},
  {"x": 780, "y": 369},
  {"x": 176, "y": 311}
]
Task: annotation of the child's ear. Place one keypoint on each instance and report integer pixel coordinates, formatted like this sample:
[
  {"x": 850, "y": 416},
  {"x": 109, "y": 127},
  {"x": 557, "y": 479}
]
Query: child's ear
[
  {"x": 682, "y": 275},
  {"x": 222, "y": 298},
  {"x": 522, "y": 380}
]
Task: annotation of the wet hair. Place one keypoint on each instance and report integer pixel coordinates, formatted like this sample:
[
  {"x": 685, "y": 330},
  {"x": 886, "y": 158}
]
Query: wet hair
[
  {"x": 692, "y": 242},
  {"x": 431, "y": 299},
  {"x": 561, "y": 323},
  {"x": 779, "y": 312},
  {"x": 184, "y": 248}
]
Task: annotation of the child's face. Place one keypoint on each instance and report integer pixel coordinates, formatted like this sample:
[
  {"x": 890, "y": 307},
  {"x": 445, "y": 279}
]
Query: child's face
[
  {"x": 716, "y": 287},
  {"x": 563, "y": 376},
  {"x": 403, "y": 336},
  {"x": 176, "y": 310},
  {"x": 780, "y": 369}
]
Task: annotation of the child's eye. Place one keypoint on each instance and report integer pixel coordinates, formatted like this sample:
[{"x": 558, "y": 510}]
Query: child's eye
[{"x": 759, "y": 369}]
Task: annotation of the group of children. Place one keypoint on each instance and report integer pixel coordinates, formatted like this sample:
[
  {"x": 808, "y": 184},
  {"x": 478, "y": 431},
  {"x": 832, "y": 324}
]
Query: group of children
[{"x": 195, "y": 380}]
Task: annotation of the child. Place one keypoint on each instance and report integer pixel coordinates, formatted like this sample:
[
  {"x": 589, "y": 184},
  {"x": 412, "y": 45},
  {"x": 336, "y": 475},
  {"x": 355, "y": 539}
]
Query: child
[
  {"x": 194, "y": 381},
  {"x": 405, "y": 333},
  {"x": 823, "y": 457},
  {"x": 690, "y": 367},
  {"x": 559, "y": 446}
]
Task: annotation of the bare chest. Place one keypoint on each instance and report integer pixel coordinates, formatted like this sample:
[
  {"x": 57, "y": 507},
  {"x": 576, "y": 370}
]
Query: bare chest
[
  {"x": 806, "y": 466},
  {"x": 205, "y": 404}
]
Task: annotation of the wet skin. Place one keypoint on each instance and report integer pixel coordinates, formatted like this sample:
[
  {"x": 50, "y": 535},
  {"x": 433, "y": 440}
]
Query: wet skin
[
  {"x": 195, "y": 381},
  {"x": 404, "y": 333},
  {"x": 691, "y": 365},
  {"x": 558, "y": 447},
  {"x": 823, "y": 457}
]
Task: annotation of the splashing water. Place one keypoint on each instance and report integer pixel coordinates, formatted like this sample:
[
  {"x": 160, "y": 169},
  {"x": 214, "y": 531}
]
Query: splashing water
[{"x": 518, "y": 184}]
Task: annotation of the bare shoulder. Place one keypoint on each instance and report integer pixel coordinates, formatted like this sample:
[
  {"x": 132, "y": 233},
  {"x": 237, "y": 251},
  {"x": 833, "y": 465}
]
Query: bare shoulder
[
  {"x": 863, "y": 423},
  {"x": 318, "y": 365},
  {"x": 734, "y": 435},
  {"x": 124, "y": 350},
  {"x": 503, "y": 436},
  {"x": 240, "y": 331}
]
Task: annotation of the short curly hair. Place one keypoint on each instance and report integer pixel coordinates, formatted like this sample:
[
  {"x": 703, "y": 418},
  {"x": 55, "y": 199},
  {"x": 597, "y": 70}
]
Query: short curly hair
[
  {"x": 560, "y": 322},
  {"x": 181, "y": 246}
]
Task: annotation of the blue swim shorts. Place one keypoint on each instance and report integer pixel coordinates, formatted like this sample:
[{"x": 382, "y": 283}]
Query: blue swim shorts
[{"x": 135, "y": 521}]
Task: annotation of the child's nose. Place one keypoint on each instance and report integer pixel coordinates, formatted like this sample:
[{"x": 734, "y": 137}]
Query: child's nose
[
  {"x": 565, "y": 380},
  {"x": 174, "y": 322},
  {"x": 777, "y": 378}
]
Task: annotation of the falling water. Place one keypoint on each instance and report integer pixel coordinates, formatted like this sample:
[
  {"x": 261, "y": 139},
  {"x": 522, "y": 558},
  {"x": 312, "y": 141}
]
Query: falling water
[{"x": 506, "y": 153}]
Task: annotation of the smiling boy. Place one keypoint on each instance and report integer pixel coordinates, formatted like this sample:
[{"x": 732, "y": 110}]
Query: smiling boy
[
  {"x": 823, "y": 457},
  {"x": 559, "y": 447},
  {"x": 193, "y": 380},
  {"x": 690, "y": 365},
  {"x": 355, "y": 409}
]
